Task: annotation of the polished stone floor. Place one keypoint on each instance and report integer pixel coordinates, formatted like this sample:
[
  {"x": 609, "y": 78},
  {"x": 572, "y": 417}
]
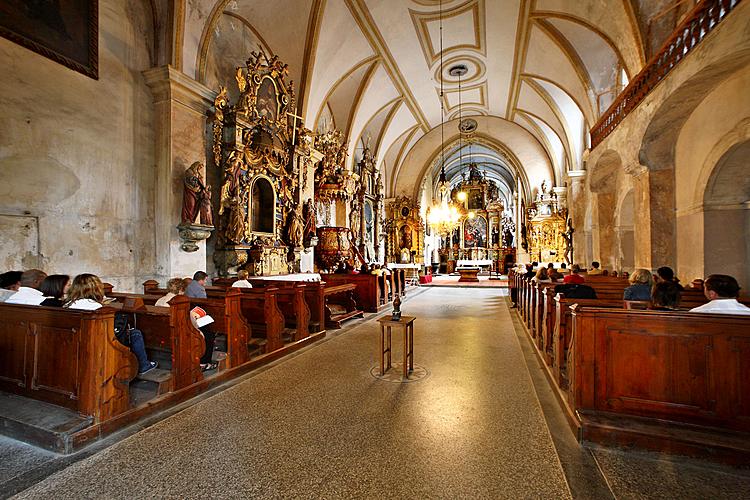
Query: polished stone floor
[{"x": 479, "y": 423}]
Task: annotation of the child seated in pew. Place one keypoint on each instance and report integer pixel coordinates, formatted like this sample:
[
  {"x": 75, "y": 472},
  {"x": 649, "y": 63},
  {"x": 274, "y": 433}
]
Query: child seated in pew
[
  {"x": 54, "y": 287},
  {"x": 722, "y": 291},
  {"x": 177, "y": 286},
  {"x": 665, "y": 296},
  {"x": 87, "y": 293},
  {"x": 641, "y": 282},
  {"x": 242, "y": 282}
]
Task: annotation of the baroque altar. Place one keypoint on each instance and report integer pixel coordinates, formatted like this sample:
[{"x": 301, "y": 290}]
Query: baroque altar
[
  {"x": 404, "y": 230},
  {"x": 262, "y": 152},
  {"x": 546, "y": 227}
]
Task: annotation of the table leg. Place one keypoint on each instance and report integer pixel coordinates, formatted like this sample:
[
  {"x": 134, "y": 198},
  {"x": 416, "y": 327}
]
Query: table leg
[
  {"x": 406, "y": 352},
  {"x": 390, "y": 350},
  {"x": 382, "y": 349},
  {"x": 411, "y": 347}
]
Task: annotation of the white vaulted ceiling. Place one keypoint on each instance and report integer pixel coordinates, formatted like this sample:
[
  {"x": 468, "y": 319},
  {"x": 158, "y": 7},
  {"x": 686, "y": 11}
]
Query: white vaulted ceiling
[{"x": 371, "y": 68}]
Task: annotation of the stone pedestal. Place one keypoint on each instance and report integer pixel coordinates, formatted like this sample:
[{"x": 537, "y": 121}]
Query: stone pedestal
[{"x": 180, "y": 106}]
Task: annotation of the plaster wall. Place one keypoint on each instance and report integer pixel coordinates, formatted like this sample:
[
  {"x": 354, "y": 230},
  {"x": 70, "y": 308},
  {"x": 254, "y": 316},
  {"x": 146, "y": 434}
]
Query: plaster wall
[{"x": 77, "y": 154}]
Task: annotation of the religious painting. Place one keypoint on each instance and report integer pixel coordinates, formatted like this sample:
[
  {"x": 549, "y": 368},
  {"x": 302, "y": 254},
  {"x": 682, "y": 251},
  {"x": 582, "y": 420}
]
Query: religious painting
[
  {"x": 267, "y": 103},
  {"x": 476, "y": 199},
  {"x": 475, "y": 232},
  {"x": 65, "y": 31}
]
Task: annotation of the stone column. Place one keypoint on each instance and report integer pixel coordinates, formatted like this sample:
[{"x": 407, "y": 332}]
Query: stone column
[
  {"x": 577, "y": 207},
  {"x": 180, "y": 106}
]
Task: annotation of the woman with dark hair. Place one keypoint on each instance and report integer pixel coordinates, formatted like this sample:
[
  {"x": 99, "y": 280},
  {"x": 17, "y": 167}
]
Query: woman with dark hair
[
  {"x": 54, "y": 287},
  {"x": 665, "y": 296},
  {"x": 87, "y": 292},
  {"x": 666, "y": 273}
]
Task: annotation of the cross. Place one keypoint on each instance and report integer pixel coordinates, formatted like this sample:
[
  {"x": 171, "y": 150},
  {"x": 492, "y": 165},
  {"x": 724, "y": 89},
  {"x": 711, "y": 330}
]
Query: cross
[{"x": 294, "y": 127}]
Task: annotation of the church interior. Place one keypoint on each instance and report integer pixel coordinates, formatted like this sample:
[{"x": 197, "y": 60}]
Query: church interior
[{"x": 216, "y": 214}]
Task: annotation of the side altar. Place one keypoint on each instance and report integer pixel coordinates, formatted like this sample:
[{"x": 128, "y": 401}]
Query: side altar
[{"x": 264, "y": 153}]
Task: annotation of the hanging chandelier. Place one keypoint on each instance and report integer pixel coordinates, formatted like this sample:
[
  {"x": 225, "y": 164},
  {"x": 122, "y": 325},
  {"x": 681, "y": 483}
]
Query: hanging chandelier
[{"x": 443, "y": 217}]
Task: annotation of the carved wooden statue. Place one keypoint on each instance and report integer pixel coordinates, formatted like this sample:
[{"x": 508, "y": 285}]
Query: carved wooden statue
[{"x": 197, "y": 197}]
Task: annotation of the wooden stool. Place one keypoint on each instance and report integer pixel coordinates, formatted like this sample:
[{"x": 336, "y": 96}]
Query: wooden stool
[{"x": 406, "y": 323}]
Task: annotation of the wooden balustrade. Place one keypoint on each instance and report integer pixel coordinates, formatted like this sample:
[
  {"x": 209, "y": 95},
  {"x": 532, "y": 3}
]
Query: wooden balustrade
[{"x": 702, "y": 20}]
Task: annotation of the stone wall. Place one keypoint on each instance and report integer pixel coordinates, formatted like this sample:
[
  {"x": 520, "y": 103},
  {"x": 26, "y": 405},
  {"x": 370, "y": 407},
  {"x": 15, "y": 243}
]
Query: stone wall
[{"x": 77, "y": 156}]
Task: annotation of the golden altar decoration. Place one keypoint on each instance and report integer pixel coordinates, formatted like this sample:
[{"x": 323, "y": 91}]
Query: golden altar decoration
[
  {"x": 546, "y": 227},
  {"x": 261, "y": 148},
  {"x": 404, "y": 230}
]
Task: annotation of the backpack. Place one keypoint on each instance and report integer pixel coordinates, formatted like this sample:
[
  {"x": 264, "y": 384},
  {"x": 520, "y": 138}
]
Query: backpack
[{"x": 573, "y": 291}]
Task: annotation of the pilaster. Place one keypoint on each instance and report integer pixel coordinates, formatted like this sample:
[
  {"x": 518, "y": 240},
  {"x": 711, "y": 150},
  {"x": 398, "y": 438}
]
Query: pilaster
[{"x": 180, "y": 106}]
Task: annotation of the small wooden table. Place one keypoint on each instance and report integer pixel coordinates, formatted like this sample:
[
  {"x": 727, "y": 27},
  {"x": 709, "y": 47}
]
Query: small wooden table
[
  {"x": 406, "y": 323},
  {"x": 468, "y": 275}
]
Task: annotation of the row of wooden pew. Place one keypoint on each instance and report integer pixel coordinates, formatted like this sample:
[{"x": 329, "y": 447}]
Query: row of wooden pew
[
  {"x": 664, "y": 380},
  {"x": 72, "y": 359}
]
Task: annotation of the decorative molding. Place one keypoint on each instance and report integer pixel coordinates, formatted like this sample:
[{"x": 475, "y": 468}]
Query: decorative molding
[
  {"x": 421, "y": 21},
  {"x": 168, "y": 83},
  {"x": 523, "y": 33}
]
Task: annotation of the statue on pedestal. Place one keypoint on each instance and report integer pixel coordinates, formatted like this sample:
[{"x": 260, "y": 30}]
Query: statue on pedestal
[
  {"x": 568, "y": 237},
  {"x": 197, "y": 197}
]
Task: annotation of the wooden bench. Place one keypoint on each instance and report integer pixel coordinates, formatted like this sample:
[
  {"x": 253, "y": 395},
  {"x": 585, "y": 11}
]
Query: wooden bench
[
  {"x": 367, "y": 292},
  {"x": 631, "y": 372},
  {"x": 340, "y": 295},
  {"x": 66, "y": 357}
]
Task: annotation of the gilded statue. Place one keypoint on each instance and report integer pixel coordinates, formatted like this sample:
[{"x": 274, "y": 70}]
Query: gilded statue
[
  {"x": 309, "y": 216},
  {"x": 196, "y": 197},
  {"x": 296, "y": 227}
]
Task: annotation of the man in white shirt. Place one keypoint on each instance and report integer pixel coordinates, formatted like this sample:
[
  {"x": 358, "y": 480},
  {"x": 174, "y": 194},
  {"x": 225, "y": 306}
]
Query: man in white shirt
[
  {"x": 9, "y": 284},
  {"x": 722, "y": 291},
  {"x": 28, "y": 292}
]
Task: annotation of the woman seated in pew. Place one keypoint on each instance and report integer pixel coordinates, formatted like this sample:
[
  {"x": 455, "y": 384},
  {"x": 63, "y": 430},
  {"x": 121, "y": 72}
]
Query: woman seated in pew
[
  {"x": 242, "y": 282},
  {"x": 54, "y": 287},
  {"x": 665, "y": 296},
  {"x": 87, "y": 293},
  {"x": 641, "y": 282},
  {"x": 666, "y": 273},
  {"x": 177, "y": 286},
  {"x": 541, "y": 276}
]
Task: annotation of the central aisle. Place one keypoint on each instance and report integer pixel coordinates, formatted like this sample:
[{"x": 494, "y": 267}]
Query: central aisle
[{"x": 320, "y": 425}]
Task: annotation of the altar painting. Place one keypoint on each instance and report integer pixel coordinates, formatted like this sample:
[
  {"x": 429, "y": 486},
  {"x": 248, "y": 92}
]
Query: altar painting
[{"x": 475, "y": 232}]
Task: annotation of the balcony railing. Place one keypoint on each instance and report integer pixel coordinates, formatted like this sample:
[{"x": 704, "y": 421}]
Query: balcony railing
[{"x": 700, "y": 22}]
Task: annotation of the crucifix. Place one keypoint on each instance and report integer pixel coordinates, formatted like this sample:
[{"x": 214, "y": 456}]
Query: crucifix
[{"x": 294, "y": 127}]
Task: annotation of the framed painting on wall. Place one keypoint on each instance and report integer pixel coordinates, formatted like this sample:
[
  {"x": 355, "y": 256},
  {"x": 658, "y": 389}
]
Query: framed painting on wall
[{"x": 66, "y": 31}]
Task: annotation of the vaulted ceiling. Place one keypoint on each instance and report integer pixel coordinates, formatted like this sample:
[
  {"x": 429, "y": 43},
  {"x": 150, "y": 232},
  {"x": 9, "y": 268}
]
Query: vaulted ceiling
[{"x": 372, "y": 68}]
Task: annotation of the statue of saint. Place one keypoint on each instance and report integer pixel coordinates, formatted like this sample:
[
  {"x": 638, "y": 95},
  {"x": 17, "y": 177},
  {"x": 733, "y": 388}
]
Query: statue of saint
[
  {"x": 197, "y": 197},
  {"x": 507, "y": 238},
  {"x": 568, "y": 237},
  {"x": 308, "y": 213},
  {"x": 296, "y": 226},
  {"x": 405, "y": 236}
]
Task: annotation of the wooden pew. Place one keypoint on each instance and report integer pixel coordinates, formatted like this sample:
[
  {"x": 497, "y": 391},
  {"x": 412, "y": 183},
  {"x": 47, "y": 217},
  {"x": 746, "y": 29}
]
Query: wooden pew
[
  {"x": 341, "y": 295},
  {"x": 653, "y": 367},
  {"x": 225, "y": 308},
  {"x": 169, "y": 329},
  {"x": 291, "y": 298},
  {"x": 66, "y": 357},
  {"x": 367, "y": 292}
]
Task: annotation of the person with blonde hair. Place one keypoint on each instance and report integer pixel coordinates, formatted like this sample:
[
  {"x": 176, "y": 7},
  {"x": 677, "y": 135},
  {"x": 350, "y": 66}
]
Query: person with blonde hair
[
  {"x": 87, "y": 292},
  {"x": 175, "y": 286},
  {"x": 242, "y": 282},
  {"x": 541, "y": 276},
  {"x": 641, "y": 282}
]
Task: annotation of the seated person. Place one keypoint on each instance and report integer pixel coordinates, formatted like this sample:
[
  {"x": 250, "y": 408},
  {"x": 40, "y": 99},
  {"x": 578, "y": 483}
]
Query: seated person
[
  {"x": 641, "y": 282},
  {"x": 87, "y": 293},
  {"x": 722, "y": 291},
  {"x": 529, "y": 271},
  {"x": 28, "y": 292},
  {"x": 575, "y": 276},
  {"x": 198, "y": 292},
  {"x": 552, "y": 273},
  {"x": 9, "y": 284},
  {"x": 594, "y": 269},
  {"x": 54, "y": 287},
  {"x": 564, "y": 268},
  {"x": 665, "y": 296},
  {"x": 665, "y": 273},
  {"x": 242, "y": 282},
  {"x": 175, "y": 286},
  {"x": 541, "y": 276},
  {"x": 197, "y": 287}
]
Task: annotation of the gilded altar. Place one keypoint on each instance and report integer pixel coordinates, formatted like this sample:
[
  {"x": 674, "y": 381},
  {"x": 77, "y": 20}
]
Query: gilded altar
[
  {"x": 546, "y": 228},
  {"x": 261, "y": 150},
  {"x": 404, "y": 231}
]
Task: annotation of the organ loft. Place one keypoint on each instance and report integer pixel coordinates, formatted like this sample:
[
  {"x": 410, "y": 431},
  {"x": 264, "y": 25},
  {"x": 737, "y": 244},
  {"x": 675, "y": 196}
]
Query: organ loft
[{"x": 360, "y": 248}]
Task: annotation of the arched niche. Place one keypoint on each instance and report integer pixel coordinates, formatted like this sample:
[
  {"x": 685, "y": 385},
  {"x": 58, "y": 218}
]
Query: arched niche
[
  {"x": 726, "y": 216},
  {"x": 603, "y": 185},
  {"x": 263, "y": 206}
]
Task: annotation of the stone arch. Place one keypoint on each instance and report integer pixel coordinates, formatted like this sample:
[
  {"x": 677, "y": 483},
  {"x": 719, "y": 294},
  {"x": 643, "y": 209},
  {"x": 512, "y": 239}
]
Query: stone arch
[{"x": 726, "y": 216}]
